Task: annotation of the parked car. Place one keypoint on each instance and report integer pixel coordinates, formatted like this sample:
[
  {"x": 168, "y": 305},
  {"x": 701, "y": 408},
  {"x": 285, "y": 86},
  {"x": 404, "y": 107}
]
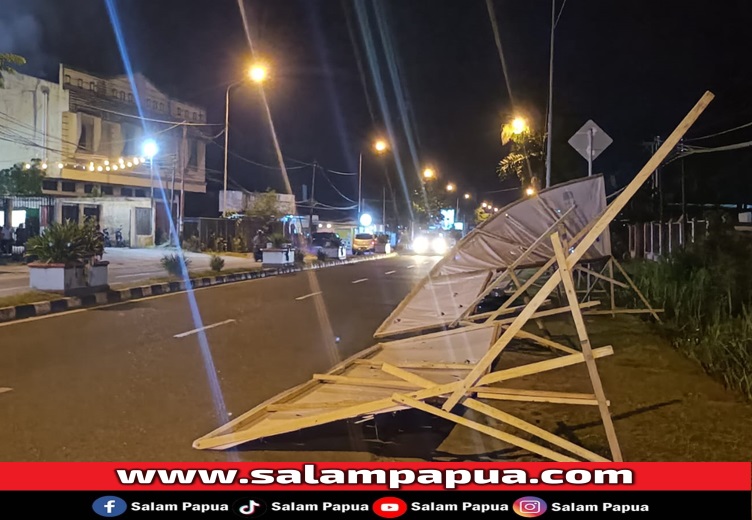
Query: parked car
[
  {"x": 364, "y": 243},
  {"x": 325, "y": 239}
]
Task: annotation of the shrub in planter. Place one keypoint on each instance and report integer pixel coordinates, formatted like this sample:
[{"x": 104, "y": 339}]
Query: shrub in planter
[
  {"x": 172, "y": 264},
  {"x": 299, "y": 257},
  {"x": 65, "y": 258},
  {"x": 192, "y": 244},
  {"x": 278, "y": 240},
  {"x": 217, "y": 263},
  {"x": 321, "y": 255},
  {"x": 67, "y": 243}
]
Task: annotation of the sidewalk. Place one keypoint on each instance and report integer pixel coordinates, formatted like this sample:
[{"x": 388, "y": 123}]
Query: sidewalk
[{"x": 126, "y": 267}]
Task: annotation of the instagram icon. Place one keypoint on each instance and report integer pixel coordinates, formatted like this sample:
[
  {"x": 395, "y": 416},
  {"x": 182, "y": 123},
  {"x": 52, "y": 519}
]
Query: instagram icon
[{"x": 529, "y": 507}]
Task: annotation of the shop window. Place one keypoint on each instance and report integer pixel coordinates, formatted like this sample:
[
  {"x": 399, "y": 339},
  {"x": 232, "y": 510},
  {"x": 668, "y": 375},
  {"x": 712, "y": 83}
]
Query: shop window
[{"x": 69, "y": 187}]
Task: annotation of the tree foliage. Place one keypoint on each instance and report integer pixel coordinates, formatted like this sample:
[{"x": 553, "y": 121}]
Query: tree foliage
[
  {"x": 266, "y": 207},
  {"x": 21, "y": 181},
  {"x": 481, "y": 215},
  {"x": 8, "y": 63},
  {"x": 427, "y": 202},
  {"x": 525, "y": 159}
]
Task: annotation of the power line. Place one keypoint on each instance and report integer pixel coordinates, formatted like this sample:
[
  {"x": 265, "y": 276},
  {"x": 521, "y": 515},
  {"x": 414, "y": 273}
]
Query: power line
[
  {"x": 180, "y": 123},
  {"x": 746, "y": 125}
]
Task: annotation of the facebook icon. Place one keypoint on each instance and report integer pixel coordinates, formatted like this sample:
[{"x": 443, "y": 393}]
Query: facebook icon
[{"x": 109, "y": 506}]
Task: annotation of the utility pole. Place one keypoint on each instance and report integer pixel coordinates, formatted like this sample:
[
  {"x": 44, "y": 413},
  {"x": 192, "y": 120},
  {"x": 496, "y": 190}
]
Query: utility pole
[
  {"x": 183, "y": 171},
  {"x": 383, "y": 207},
  {"x": 683, "y": 197},
  {"x": 313, "y": 200},
  {"x": 550, "y": 130},
  {"x": 360, "y": 184}
]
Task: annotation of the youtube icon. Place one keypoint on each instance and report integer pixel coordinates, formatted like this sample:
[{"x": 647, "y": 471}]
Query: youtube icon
[{"x": 390, "y": 507}]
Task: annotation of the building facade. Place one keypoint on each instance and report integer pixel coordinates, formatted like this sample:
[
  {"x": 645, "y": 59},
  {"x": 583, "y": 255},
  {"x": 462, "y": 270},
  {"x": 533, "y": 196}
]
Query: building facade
[{"x": 90, "y": 132}]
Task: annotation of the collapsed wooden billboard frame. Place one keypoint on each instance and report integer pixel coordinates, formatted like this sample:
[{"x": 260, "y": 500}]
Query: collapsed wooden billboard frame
[{"x": 406, "y": 384}]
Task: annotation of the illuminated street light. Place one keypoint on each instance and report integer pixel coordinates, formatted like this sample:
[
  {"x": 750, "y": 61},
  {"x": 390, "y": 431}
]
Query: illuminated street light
[
  {"x": 519, "y": 125},
  {"x": 380, "y": 146},
  {"x": 365, "y": 220},
  {"x": 150, "y": 148},
  {"x": 257, "y": 73},
  {"x": 428, "y": 173},
  {"x": 530, "y": 191},
  {"x": 484, "y": 205},
  {"x": 496, "y": 209},
  {"x": 450, "y": 187},
  {"x": 467, "y": 196}
]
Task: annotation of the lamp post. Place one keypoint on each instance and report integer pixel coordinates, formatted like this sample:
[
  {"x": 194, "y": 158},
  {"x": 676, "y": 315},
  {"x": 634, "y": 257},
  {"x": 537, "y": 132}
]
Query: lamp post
[
  {"x": 257, "y": 74},
  {"x": 380, "y": 146}
]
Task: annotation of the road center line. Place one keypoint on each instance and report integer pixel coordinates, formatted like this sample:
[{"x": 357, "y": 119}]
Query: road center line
[
  {"x": 390, "y": 272},
  {"x": 410, "y": 266},
  {"x": 308, "y": 295},
  {"x": 5, "y": 389},
  {"x": 361, "y": 280},
  {"x": 207, "y": 327}
]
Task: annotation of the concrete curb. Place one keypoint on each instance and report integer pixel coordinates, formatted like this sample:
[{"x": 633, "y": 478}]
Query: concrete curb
[{"x": 62, "y": 304}]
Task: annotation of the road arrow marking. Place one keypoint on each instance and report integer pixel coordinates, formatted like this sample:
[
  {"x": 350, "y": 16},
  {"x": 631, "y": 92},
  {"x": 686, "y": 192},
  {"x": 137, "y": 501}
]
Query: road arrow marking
[
  {"x": 207, "y": 327},
  {"x": 307, "y": 295},
  {"x": 361, "y": 280}
]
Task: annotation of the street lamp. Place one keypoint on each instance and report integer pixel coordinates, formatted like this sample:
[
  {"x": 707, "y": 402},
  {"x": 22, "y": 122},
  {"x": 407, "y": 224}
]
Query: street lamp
[
  {"x": 380, "y": 146},
  {"x": 450, "y": 187},
  {"x": 429, "y": 174},
  {"x": 257, "y": 73},
  {"x": 150, "y": 148},
  {"x": 530, "y": 191},
  {"x": 467, "y": 196},
  {"x": 519, "y": 125}
]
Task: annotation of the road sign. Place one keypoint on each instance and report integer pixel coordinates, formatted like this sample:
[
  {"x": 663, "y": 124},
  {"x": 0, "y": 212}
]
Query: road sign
[{"x": 590, "y": 141}]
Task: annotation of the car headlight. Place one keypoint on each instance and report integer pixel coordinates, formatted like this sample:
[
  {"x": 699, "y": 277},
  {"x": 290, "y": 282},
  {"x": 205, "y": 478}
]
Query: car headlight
[
  {"x": 439, "y": 245},
  {"x": 420, "y": 245}
]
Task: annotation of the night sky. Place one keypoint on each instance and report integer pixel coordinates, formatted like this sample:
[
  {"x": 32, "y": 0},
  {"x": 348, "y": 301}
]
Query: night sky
[{"x": 634, "y": 67}]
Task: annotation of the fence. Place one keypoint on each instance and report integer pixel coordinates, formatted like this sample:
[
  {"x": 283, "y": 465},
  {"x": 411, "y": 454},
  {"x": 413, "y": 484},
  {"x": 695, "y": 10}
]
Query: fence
[
  {"x": 651, "y": 240},
  {"x": 220, "y": 234}
]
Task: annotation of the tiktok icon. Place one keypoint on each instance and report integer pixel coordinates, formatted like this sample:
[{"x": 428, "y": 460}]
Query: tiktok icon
[{"x": 249, "y": 507}]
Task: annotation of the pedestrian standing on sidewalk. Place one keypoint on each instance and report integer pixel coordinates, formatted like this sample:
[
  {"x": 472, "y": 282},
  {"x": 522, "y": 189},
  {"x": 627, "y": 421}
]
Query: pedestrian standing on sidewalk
[{"x": 6, "y": 239}]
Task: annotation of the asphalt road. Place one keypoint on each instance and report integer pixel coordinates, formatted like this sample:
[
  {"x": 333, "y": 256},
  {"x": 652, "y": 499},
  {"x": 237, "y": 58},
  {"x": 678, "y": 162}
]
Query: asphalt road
[
  {"x": 127, "y": 266},
  {"x": 132, "y": 382}
]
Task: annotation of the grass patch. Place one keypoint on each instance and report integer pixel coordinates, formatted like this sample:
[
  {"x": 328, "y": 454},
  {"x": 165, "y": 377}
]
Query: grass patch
[
  {"x": 28, "y": 297},
  {"x": 194, "y": 274},
  {"x": 706, "y": 293}
]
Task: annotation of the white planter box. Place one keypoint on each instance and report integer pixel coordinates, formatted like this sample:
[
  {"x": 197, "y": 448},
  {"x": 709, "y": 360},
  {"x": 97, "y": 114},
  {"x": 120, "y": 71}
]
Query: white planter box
[
  {"x": 278, "y": 257},
  {"x": 340, "y": 253},
  {"x": 68, "y": 280}
]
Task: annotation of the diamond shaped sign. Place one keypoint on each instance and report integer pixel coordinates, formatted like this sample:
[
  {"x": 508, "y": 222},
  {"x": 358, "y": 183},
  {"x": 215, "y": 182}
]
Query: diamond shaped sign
[{"x": 590, "y": 134}]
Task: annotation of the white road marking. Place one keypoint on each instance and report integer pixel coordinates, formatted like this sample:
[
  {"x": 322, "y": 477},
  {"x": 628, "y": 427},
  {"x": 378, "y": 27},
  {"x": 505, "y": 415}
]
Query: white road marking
[
  {"x": 361, "y": 280},
  {"x": 207, "y": 327},
  {"x": 3, "y": 390},
  {"x": 410, "y": 266},
  {"x": 308, "y": 295},
  {"x": 390, "y": 272}
]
